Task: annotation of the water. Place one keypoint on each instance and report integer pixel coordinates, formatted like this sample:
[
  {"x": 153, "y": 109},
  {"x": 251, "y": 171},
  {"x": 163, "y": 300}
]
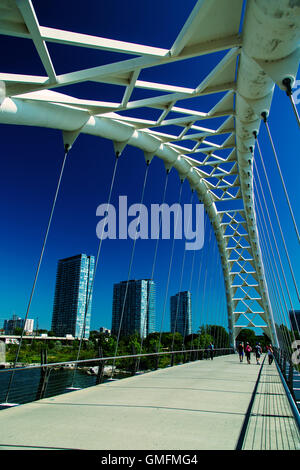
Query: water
[{"x": 25, "y": 383}]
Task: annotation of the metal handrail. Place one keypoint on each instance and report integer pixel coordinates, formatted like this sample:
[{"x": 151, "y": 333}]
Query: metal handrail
[
  {"x": 289, "y": 395},
  {"x": 110, "y": 358},
  {"x": 46, "y": 369},
  {"x": 281, "y": 360}
]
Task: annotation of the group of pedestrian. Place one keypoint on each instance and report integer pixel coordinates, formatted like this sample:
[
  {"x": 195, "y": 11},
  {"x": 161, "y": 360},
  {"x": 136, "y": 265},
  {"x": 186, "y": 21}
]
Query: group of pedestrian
[{"x": 247, "y": 349}]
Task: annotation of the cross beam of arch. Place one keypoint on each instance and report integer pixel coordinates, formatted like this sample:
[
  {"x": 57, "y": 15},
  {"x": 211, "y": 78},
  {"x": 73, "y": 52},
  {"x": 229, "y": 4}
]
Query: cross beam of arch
[{"x": 255, "y": 57}]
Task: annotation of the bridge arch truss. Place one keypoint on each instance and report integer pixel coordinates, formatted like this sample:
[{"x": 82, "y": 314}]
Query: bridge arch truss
[{"x": 259, "y": 41}]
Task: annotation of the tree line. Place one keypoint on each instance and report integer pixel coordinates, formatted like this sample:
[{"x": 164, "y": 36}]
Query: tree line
[
  {"x": 106, "y": 345},
  {"x": 101, "y": 344}
]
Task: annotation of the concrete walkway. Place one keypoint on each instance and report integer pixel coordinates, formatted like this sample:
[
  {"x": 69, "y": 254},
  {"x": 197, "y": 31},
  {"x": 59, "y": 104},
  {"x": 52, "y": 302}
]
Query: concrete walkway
[{"x": 200, "y": 405}]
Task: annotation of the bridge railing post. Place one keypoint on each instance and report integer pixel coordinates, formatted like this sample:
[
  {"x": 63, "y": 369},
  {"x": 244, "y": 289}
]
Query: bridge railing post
[
  {"x": 45, "y": 373},
  {"x": 284, "y": 362},
  {"x": 275, "y": 354},
  {"x": 194, "y": 355},
  {"x": 281, "y": 360},
  {"x": 101, "y": 366},
  {"x": 284, "y": 365},
  {"x": 156, "y": 358},
  {"x": 172, "y": 360},
  {"x": 290, "y": 378},
  {"x": 135, "y": 361}
]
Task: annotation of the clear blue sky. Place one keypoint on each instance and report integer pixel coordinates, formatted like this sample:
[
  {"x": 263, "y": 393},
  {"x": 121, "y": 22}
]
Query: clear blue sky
[{"x": 31, "y": 159}]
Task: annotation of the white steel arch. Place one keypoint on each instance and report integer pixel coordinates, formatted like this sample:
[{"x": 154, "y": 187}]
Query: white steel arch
[{"x": 256, "y": 57}]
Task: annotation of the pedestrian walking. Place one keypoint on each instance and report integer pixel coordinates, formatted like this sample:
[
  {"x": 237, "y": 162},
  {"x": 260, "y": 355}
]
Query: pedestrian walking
[
  {"x": 248, "y": 350},
  {"x": 258, "y": 352},
  {"x": 270, "y": 354},
  {"x": 211, "y": 350},
  {"x": 241, "y": 351}
]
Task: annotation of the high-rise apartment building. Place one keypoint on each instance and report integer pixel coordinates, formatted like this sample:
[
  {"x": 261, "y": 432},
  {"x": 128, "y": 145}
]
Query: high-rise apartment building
[
  {"x": 181, "y": 313},
  {"x": 73, "y": 296},
  {"x": 134, "y": 308},
  {"x": 17, "y": 322}
]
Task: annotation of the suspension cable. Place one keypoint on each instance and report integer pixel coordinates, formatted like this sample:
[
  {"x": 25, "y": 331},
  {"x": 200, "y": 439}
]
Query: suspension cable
[
  {"x": 180, "y": 283},
  {"x": 129, "y": 272},
  {"x": 191, "y": 275},
  {"x": 276, "y": 214},
  {"x": 211, "y": 283},
  {"x": 224, "y": 312},
  {"x": 268, "y": 258},
  {"x": 153, "y": 267},
  {"x": 264, "y": 116},
  {"x": 213, "y": 287},
  {"x": 219, "y": 303},
  {"x": 67, "y": 148},
  {"x": 198, "y": 284},
  {"x": 90, "y": 288},
  {"x": 190, "y": 290},
  {"x": 273, "y": 282},
  {"x": 274, "y": 238},
  {"x": 170, "y": 265},
  {"x": 204, "y": 287}
]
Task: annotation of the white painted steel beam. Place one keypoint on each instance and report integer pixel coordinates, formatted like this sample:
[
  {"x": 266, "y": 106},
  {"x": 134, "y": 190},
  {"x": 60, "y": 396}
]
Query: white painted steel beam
[{"x": 31, "y": 21}]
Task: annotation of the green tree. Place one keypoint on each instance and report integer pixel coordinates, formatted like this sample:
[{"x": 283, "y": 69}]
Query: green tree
[
  {"x": 18, "y": 331},
  {"x": 219, "y": 334},
  {"x": 172, "y": 340},
  {"x": 263, "y": 339},
  {"x": 247, "y": 336},
  {"x": 108, "y": 344}
]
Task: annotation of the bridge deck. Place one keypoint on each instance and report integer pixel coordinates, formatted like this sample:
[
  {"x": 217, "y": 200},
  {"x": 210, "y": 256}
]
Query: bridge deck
[{"x": 199, "y": 405}]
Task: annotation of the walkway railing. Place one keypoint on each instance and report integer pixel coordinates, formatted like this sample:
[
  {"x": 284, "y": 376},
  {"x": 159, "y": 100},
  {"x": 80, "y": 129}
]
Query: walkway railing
[
  {"x": 289, "y": 374},
  {"x": 272, "y": 420},
  {"x": 36, "y": 381}
]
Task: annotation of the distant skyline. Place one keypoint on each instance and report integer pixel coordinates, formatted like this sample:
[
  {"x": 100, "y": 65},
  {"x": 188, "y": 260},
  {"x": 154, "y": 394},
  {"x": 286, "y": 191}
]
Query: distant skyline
[{"x": 32, "y": 156}]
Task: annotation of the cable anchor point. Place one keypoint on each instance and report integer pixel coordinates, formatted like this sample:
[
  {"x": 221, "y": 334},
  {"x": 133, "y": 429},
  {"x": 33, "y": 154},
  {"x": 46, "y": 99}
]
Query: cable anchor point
[
  {"x": 287, "y": 83},
  {"x": 264, "y": 116}
]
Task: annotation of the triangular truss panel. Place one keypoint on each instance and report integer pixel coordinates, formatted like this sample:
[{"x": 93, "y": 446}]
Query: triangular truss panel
[{"x": 210, "y": 146}]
